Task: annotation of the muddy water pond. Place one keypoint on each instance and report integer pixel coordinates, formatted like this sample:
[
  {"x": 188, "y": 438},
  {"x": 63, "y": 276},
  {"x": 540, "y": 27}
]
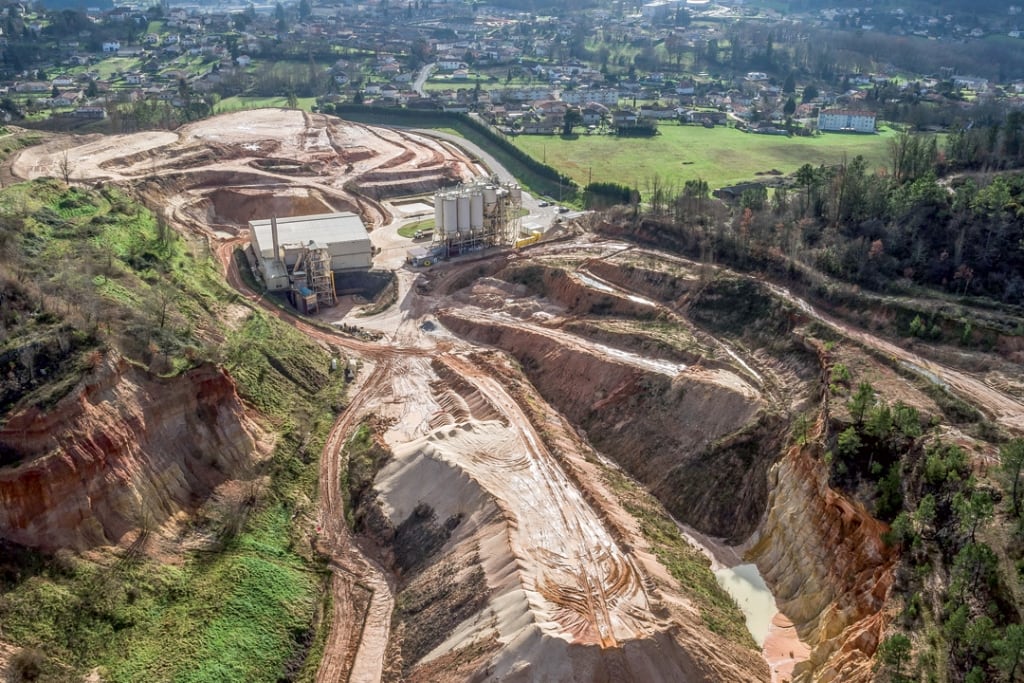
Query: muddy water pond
[{"x": 744, "y": 583}]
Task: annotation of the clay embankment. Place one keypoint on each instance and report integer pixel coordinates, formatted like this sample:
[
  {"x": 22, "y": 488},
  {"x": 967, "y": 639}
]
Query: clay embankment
[
  {"x": 579, "y": 293},
  {"x": 653, "y": 277},
  {"x": 125, "y": 451}
]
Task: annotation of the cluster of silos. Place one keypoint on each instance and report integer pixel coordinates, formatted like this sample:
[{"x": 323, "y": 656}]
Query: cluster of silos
[{"x": 473, "y": 211}]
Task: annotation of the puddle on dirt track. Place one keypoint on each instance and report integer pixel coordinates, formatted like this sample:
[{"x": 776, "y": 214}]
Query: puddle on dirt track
[{"x": 744, "y": 583}]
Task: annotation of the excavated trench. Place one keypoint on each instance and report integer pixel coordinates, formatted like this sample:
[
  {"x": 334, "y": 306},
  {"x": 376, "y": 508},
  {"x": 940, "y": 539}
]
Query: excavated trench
[
  {"x": 241, "y": 205},
  {"x": 708, "y": 438}
]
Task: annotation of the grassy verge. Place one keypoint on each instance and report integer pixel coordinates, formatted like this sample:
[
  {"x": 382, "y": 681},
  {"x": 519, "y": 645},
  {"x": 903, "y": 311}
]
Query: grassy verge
[
  {"x": 685, "y": 563},
  {"x": 365, "y": 457},
  {"x": 409, "y": 231}
]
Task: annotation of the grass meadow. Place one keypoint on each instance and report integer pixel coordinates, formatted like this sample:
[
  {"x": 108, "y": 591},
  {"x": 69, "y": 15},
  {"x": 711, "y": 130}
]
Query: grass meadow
[
  {"x": 721, "y": 156},
  {"x": 240, "y": 102}
]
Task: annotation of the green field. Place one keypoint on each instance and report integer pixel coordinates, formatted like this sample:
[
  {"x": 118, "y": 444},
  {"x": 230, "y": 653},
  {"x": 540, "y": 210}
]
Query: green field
[
  {"x": 239, "y": 102},
  {"x": 721, "y": 156},
  {"x": 108, "y": 67}
]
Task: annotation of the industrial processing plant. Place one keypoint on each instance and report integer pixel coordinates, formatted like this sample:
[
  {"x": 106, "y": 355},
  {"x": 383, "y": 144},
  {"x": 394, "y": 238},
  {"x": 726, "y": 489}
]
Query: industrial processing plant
[{"x": 483, "y": 213}]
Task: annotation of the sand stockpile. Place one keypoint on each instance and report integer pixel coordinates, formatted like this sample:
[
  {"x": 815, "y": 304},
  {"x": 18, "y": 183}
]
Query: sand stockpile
[{"x": 554, "y": 594}]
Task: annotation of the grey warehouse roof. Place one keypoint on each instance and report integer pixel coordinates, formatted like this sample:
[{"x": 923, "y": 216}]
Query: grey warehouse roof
[{"x": 324, "y": 228}]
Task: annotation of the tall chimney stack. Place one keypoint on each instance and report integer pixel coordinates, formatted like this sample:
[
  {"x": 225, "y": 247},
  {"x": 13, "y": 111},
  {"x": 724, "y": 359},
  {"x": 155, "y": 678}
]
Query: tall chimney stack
[{"x": 273, "y": 236}]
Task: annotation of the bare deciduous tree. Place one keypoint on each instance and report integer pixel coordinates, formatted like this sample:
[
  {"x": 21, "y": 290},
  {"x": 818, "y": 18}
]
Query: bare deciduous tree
[{"x": 65, "y": 166}]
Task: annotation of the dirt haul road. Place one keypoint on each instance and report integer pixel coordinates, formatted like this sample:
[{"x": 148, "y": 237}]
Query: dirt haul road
[{"x": 1001, "y": 407}]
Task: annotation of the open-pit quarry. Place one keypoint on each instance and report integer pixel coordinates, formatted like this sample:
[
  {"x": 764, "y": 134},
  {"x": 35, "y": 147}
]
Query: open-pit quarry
[{"x": 575, "y": 434}]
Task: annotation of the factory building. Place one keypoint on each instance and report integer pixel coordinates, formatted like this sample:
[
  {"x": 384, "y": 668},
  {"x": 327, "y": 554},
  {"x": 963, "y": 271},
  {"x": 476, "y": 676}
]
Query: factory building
[{"x": 301, "y": 254}]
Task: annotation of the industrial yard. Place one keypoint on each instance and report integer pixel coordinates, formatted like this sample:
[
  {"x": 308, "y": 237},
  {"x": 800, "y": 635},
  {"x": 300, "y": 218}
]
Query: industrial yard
[{"x": 571, "y": 433}]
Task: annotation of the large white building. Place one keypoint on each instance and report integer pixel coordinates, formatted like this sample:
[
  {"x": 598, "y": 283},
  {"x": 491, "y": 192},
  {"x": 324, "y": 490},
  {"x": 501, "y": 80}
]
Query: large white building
[
  {"x": 343, "y": 235},
  {"x": 846, "y": 120},
  {"x": 656, "y": 10},
  {"x": 609, "y": 97}
]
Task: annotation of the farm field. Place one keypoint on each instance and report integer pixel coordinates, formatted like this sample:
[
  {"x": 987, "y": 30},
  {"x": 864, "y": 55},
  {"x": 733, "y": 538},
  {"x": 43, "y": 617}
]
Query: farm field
[
  {"x": 721, "y": 156},
  {"x": 239, "y": 102}
]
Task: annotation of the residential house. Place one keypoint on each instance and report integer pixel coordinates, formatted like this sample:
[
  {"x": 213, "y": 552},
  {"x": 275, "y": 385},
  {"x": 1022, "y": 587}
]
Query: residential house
[
  {"x": 609, "y": 97},
  {"x": 522, "y": 94},
  {"x": 659, "y": 112},
  {"x": 451, "y": 64},
  {"x": 625, "y": 117},
  {"x": 548, "y": 124},
  {"x": 90, "y": 113},
  {"x": 594, "y": 113},
  {"x": 65, "y": 99},
  {"x": 550, "y": 107},
  {"x": 32, "y": 86}
]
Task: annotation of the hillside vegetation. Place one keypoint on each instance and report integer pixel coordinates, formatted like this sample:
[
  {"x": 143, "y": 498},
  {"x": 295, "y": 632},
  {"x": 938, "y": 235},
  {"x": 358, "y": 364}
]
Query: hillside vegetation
[{"x": 86, "y": 273}]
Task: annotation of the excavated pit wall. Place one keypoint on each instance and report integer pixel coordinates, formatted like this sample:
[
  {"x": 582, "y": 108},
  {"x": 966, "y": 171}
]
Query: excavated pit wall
[
  {"x": 824, "y": 559},
  {"x": 659, "y": 428},
  {"x": 821, "y": 554},
  {"x": 125, "y": 450}
]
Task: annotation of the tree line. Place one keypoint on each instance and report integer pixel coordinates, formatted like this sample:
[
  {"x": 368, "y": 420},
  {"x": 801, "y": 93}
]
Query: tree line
[{"x": 936, "y": 216}]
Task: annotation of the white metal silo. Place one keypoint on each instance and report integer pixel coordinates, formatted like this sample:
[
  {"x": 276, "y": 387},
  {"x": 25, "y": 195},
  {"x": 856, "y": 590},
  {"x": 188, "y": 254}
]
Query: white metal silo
[
  {"x": 476, "y": 209},
  {"x": 451, "y": 214},
  {"x": 490, "y": 196},
  {"x": 464, "y": 209},
  {"x": 516, "y": 194},
  {"x": 438, "y": 213}
]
